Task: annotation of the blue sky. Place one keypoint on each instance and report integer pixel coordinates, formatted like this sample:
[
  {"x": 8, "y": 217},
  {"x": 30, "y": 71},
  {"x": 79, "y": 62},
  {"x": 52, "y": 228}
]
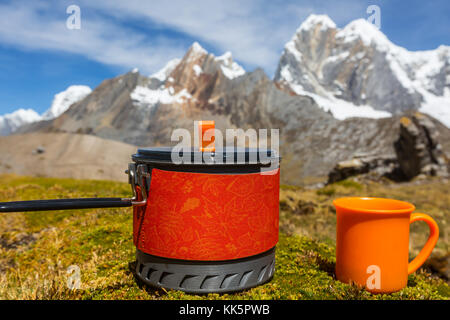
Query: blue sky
[{"x": 40, "y": 56}]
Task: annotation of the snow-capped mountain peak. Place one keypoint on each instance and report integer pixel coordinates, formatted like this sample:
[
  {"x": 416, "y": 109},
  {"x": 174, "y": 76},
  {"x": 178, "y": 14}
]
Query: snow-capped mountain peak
[
  {"x": 10, "y": 122},
  {"x": 315, "y": 20},
  {"x": 179, "y": 78},
  {"x": 357, "y": 67},
  {"x": 197, "y": 55},
  {"x": 162, "y": 74},
  {"x": 195, "y": 51},
  {"x": 196, "y": 47},
  {"x": 63, "y": 100},
  {"x": 365, "y": 31},
  {"x": 230, "y": 68}
]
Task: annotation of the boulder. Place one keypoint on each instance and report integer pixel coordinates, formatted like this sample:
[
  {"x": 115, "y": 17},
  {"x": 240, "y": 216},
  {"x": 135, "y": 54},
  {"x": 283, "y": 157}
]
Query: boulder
[
  {"x": 362, "y": 164},
  {"x": 417, "y": 153},
  {"x": 417, "y": 148},
  {"x": 38, "y": 150}
]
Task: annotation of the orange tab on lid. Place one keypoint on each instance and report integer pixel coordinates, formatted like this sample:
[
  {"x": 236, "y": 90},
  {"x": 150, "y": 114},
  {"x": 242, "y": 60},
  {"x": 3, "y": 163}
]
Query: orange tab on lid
[{"x": 206, "y": 136}]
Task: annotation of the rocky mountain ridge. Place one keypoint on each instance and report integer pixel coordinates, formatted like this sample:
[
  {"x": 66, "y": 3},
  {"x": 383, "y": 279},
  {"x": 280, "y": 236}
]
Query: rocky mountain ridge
[{"x": 357, "y": 70}]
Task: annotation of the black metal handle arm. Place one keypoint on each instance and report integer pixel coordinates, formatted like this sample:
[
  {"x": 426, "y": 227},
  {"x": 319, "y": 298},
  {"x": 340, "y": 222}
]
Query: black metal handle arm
[{"x": 64, "y": 204}]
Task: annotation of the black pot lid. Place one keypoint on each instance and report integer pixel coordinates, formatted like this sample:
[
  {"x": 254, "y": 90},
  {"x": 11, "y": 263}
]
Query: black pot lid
[{"x": 227, "y": 155}]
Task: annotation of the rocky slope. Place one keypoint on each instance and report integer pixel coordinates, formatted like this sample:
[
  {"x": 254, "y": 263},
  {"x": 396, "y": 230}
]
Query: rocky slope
[
  {"x": 357, "y": 71},
  {"x": 65, "y": 155}
]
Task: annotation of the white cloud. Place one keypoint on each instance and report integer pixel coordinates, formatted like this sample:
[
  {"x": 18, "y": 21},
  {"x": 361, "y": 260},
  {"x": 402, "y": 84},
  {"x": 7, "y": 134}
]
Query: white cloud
[
  {"x": 98, "y": 39},
  {"x": 255, "y": 31}
]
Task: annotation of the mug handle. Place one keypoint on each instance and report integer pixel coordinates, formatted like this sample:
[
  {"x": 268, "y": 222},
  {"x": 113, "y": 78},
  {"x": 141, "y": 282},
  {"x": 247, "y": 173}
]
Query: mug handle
[{"x": 429, "y": 245}]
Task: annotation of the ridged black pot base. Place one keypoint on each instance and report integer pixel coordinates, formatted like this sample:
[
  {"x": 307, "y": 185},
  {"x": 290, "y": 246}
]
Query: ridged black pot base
[{"x": 205, "y": 276}]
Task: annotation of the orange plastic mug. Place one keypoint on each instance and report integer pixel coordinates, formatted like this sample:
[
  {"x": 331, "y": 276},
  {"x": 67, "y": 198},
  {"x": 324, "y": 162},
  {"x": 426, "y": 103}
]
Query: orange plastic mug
[{"x": 373, "y": 242}]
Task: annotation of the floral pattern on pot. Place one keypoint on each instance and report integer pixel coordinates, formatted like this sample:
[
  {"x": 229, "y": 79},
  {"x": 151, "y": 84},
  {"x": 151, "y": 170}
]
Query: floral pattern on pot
[{"x": 213, "y": 217}]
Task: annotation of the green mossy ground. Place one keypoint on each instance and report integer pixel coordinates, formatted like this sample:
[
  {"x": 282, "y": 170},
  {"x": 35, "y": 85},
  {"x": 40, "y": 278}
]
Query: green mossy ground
[{"x": 37, "y": 248}]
